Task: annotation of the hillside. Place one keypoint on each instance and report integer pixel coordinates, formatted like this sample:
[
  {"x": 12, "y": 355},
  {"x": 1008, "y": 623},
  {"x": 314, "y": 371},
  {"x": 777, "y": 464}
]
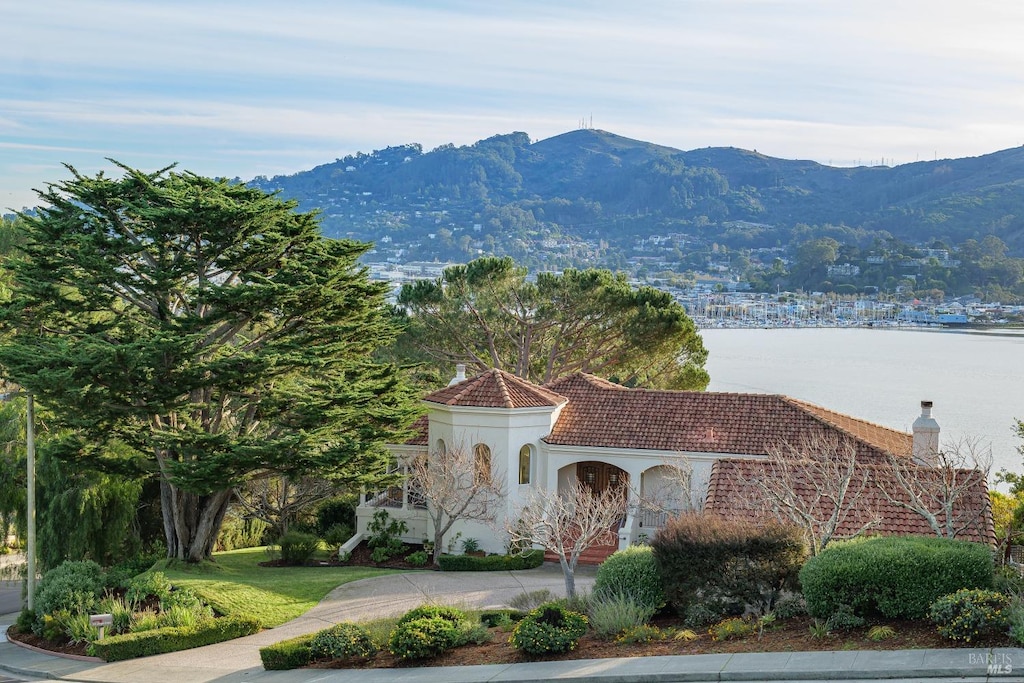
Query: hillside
[{"x": 509, "y": 191}]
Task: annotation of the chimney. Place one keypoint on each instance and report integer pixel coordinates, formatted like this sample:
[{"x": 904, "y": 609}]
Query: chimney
[
  {"x": 926, "y": 437},
  {"x": 460, "y": 374}
]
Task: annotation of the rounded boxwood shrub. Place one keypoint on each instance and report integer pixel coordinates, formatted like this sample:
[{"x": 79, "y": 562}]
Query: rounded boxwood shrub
[
  {"x": 898, "y": 577},
  {"x": 631, "y": 573},
  {"x": 971, "y": 614},
  {"x": 342, "y": 641},
  {"x": 549, "y": 629},
  {"x": 423, "y": 637}
]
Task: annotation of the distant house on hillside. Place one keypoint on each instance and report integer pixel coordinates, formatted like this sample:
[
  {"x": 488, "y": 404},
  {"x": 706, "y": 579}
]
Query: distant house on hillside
[{"x": 581, "y": 428}]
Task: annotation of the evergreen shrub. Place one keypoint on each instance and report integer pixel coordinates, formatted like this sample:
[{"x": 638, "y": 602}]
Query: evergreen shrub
[
  {"x": 342, "y": 641},
  {"x": 71, "y": 586},
  {"x": 549, "y": 629},
  {"x": 424, "y": 637},
  {"x": 491, "y": 563},
  {"x": 897, "y": 577},
  {"x": 297, "y": 547},
  {"x": 172, "y": 639},
  {"x": 722, "y": 565},
  {"x": 293, "y": 653},
  {"x": 632, "y": 573}
]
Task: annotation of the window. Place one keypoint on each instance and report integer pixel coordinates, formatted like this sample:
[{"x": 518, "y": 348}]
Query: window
[
  {"x": 525, "y": 456},
  {"x": 482, "y": 463}
]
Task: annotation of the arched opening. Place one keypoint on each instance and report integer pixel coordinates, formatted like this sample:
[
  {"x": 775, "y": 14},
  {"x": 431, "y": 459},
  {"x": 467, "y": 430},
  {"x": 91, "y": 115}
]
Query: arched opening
[
  {"x": 482, "y": 463},
  {"x": 600, "y": 476}
]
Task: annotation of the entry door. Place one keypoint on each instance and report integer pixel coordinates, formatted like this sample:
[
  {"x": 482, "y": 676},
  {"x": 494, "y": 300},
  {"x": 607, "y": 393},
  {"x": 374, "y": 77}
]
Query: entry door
[{"x": 599, "y": 476}]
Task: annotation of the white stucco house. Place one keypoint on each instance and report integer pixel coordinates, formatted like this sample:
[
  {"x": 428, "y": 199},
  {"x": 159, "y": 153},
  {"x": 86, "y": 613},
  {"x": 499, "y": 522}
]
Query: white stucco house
[{"x": 583, "y": 428}]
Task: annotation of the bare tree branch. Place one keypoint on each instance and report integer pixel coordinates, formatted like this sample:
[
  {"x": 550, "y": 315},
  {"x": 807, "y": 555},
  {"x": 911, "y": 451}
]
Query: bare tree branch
[{"x": 569, "y": 523}]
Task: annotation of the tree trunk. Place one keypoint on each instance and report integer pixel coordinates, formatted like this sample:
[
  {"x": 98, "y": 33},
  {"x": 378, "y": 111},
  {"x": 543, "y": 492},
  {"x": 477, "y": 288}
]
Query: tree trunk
[
  {"x": 192, "y": 521},
  {"x": 569, "y": 573}
]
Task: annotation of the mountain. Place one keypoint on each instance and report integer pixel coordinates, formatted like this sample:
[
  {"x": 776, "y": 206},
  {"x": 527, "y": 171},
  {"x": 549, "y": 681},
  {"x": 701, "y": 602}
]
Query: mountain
[{"x": 509, "y": 192}]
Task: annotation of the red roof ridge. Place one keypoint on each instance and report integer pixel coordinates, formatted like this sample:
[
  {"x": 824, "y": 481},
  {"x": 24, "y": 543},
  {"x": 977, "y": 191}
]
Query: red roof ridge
[
  {"x": 496, "y": 388},
  {"x": 841, "y": 421}
]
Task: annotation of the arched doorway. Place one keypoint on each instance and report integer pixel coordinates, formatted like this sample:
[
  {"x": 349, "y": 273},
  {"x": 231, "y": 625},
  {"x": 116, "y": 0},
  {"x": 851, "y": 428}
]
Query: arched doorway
[{"x": 600, "y": 476}]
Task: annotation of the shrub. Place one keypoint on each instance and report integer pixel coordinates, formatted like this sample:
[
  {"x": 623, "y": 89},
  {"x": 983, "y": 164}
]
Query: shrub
[
  {"x": 241, "y": 532},
  {"x": 897, "y": 577},
  {"x": 71, "y": 586},
  {"x": 733, "y": 627},
  {"x": 789, "y": 606},
  {"x": 381, "y": 554},
  {"x": 470, "y": 545},
  {"x": 970, "y": 614},
  {"x": 181, "y": 597},
  {"x": 548, "y": 629},
  {"x": 25, "y": 620},
  {"x": 417, "y": 559},
  {"x": 149, "y": 585},
  {"x": 119, "y": 610},
  {"x": 297, "y": 547},
  {"x": 337, "y": 534},
  {"x": 288, "y": 654},
  {"x": 342, "y": 641},
  {"x": 386, "y": 532},
  {"x": 726, "y": 564},
  {"x": 640, "y": 634},
  {"x": 450, "y": 614},
  {"x": 631, "y": 572},
  {"x": 612, "y": 614},
  {"x": 77, "y": 627},
  {"x": 158, "y": 641},
  {"x": 492, "y": 563},
  {"x": 1016, "y": 619},
  {"x": 423, "y": 637},
  {"x": 843, "y": 619},
  {"x": 337, "y": 512}
]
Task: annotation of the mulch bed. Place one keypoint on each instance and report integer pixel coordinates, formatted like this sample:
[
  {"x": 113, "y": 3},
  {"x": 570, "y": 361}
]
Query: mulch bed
[{"x": 793, "y": 635}]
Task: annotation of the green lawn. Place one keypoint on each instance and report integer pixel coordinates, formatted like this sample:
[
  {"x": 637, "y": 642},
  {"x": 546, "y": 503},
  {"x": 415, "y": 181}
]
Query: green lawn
[{"x": 235, "y": 584}]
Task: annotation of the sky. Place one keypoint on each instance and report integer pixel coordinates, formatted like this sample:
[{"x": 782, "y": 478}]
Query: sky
[{"x": 239, "y": 89}]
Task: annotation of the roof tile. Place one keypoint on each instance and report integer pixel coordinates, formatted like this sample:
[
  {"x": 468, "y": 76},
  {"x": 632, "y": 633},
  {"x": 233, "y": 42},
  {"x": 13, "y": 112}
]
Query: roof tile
[{"x": 496, "y": 389}]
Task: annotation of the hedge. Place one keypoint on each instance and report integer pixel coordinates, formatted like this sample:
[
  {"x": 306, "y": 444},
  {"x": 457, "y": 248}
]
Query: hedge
[
  {"x": 172, "y": 639},
  {"x": 895, "y": 577},
  {"x": 288, "y": 654},
  {"x": 491, "y": 563}
]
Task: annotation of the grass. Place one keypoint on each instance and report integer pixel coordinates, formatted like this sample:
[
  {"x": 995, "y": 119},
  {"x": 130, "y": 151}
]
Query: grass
[{"x": 235, "y": 584}]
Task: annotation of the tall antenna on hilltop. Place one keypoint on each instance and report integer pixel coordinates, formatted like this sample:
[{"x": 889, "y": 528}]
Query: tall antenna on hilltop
[{"x": 591, "y": 122}]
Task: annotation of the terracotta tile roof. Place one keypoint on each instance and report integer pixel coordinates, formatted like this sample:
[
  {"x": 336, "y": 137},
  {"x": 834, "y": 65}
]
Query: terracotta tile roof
[
  {"x": 496, "y": 389},
  {"x": 603, "y": 414},
  {"x": 422, "y": 427},
  {"x": 733, "y": 492}
]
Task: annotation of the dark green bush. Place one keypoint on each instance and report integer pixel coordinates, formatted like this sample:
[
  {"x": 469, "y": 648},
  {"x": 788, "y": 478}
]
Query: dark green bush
[
  {"x": 343, "y": 641},
  {"x": 71, "y": 586},
  {"x": 423, "y": 637},
  {"x": 491, "y": 563},
  {"x": 897, "y": 577},
  {"x": 631, "y": 573},
  {"x": 172, "y": 639},
  {"x": 339, "y": 511},
  {"x": 297, "y": 547},
  {"x": 293, "y": 653},
  {"x": 968, "y": 614},
  {"x": 451, "y": 614},
  {"x": 150, "y": 584},
  {"x": 417, "y": 559},
  {"x": 337, "y": 534},
  {"x": 723, "y": 565},
  {"x": 25, "y": 620},
  {"x": 548, "y": 629}
]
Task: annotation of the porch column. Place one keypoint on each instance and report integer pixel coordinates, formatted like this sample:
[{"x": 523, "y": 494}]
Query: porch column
[{"x": 405, "y": 488}]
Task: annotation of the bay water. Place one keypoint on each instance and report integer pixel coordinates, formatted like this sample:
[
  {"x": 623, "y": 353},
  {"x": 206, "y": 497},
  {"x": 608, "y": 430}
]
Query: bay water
[{"x": 974, "y": 377}]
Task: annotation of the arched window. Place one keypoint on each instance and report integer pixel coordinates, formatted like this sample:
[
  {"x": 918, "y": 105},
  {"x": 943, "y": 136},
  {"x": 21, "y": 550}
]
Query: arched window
[
  {"x": 482, "y": 463},
  {"x": 525, "y": 458},
  {"x": 441, "y": 449}
]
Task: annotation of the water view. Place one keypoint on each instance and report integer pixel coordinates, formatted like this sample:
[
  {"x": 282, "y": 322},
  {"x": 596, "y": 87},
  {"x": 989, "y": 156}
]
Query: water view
[{"x": 974, "y": 377}]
